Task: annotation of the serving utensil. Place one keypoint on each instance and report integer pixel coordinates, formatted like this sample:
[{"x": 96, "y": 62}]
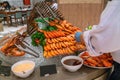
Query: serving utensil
[
  {"x": 22, "y": 45},
  {"x": 21, "y": 48}
]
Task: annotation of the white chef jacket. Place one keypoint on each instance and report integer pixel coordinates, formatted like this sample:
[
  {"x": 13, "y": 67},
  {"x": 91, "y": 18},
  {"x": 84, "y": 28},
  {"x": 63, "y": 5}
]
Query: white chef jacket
[{"x": 105, "y": 37}]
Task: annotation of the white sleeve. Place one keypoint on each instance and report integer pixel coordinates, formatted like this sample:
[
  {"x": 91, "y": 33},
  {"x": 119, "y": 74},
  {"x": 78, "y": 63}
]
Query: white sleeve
[{"x": 106, "y": 36}]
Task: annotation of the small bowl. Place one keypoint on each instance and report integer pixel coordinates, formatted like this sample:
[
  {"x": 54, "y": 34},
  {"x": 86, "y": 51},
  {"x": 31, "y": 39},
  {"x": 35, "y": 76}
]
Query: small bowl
[
  {"x": 26, "y": 64},
  {"x": 72, "y": 63}
]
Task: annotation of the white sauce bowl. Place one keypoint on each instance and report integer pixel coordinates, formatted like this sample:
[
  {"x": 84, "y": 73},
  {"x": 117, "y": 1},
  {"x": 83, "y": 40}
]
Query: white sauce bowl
[
  {"x": 25, "y": 73},
  {"x": 70, "y": 67}
]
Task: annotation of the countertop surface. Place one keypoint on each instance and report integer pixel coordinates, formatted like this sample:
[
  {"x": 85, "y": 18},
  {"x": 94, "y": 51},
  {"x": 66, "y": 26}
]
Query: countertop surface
[{"x": 84, "y": 73}]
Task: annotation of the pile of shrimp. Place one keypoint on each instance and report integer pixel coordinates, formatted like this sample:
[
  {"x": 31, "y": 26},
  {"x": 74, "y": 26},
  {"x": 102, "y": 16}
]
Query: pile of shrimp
[
  {"x": 104, "y": 60},
  {"x": 61, "y": 41},
  {"x": 9, "y": 48}
]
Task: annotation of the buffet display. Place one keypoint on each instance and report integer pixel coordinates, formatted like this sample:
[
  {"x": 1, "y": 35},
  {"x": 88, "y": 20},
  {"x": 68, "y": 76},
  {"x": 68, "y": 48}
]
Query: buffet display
[
  {"x": 56, "y": 37},
  {"x": 55, "y": 42},
  {"x": 47, "y": 28}
]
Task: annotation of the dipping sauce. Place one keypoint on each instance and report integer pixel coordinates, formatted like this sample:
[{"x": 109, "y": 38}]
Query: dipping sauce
[
  {"x": 72, "y": 62},
  {"x": 23, "y": 67}
]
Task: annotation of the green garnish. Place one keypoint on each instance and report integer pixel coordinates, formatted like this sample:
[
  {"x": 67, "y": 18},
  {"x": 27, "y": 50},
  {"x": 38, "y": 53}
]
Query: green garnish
[
  {"x": 38, "y": 39},
  {"x": 49, "y": 28}
]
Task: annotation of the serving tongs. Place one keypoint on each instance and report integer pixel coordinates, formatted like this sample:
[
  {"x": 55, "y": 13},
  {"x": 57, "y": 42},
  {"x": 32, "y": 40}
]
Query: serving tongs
[{"x": 24, "y": 47}]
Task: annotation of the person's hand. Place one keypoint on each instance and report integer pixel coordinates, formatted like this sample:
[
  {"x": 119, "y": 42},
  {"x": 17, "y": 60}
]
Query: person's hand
[
  {"x": 80, "y": 41},
  {"x": 77, "y": 36}
]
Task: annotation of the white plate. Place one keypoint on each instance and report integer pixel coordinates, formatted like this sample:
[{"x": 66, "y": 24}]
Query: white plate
[
  {"x": 93, "y": 66},
  {"x": 97, "y": 67}
]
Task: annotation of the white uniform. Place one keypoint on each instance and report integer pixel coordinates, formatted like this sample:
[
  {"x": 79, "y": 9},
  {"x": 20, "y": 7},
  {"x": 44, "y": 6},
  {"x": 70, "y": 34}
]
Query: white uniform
[{"x": 105, "y": 37}]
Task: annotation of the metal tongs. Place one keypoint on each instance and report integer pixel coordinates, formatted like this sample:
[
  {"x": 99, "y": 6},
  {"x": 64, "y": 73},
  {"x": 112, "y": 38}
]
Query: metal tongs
[{"x": 22, "y": 45}]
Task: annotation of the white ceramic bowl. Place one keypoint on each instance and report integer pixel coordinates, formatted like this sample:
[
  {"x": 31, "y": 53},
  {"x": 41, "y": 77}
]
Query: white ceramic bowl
[
  {"x": 72, "y": 68},
  {"x": 25, "y": 73}
]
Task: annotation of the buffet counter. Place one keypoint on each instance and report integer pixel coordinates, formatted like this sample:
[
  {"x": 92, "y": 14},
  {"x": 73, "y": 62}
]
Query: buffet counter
[{"x": 84, "y": 73}]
